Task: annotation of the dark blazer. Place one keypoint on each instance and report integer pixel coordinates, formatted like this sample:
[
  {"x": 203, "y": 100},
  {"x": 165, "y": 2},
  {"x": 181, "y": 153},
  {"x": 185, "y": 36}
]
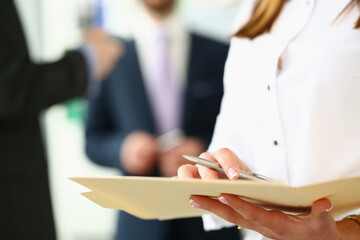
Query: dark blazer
[
  {"x": 122, "y": 107},
  {"x": 25, "y": 90}
]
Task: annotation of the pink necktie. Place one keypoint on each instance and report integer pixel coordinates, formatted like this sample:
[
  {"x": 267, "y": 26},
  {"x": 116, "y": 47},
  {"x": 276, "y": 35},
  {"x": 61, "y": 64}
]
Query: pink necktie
[{"x": 163, "y": 92}]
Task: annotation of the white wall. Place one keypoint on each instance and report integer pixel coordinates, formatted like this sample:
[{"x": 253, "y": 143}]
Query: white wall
[
  {"x": 210, "y": 17},
  {"x": 77, "y": 218},
  {"x": 30, "y": 16}
]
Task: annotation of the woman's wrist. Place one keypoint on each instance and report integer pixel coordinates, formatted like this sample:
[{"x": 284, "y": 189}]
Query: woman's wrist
[
  {"x": 355, "y": 218},
  {"x": 349, "y": 228}
]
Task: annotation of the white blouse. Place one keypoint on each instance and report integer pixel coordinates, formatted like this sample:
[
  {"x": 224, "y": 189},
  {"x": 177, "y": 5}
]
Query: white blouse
[{"x": 300, "y": 124}]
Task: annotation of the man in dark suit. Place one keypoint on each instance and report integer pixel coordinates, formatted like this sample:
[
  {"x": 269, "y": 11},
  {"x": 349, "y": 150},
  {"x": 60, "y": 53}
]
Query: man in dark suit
[
  {"x": 26, "y": 89},
  {"x": 142, "y": 100}
]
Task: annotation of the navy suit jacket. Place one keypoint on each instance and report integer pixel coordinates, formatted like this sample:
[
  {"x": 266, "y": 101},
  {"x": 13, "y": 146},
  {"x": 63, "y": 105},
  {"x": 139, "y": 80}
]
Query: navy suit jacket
[{"x": 122, "y": 107}]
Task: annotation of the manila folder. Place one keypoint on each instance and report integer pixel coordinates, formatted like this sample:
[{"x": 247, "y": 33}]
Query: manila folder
[{"x": 168, "y": 198}]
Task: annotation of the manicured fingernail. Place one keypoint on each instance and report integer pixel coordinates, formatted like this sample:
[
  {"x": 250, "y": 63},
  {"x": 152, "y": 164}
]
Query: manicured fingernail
[
  {"x": 223, "y": 200},
  {"x": 330, "y": 208},
  {"x": 194, "y": 204},
  {"x": 232, "y": 173}
]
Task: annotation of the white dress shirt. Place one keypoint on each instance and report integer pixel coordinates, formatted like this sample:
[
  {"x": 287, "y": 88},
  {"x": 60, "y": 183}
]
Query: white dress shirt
[
  {"x": 146, "y": 29},
  {"x": 167, "y": 106},
  {"x": 300, "y": 123}
]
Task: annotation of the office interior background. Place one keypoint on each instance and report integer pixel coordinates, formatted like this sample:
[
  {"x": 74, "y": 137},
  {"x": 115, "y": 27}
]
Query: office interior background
[{"x": 56, "y": 26}]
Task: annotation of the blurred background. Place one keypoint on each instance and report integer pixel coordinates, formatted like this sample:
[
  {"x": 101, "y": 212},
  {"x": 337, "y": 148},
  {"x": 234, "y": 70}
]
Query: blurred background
[{"x": 58, "y": 26}]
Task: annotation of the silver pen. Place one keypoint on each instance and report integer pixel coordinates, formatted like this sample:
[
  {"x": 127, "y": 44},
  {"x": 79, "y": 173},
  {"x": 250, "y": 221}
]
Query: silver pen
[{"x": 216, "y": 166}]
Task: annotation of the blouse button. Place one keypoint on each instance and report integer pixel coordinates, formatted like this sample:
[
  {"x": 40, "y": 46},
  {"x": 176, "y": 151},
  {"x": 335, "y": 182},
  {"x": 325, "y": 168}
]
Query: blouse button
[
  {"x": 275, "y": 142},
  {"x": 268, "y": 87}
]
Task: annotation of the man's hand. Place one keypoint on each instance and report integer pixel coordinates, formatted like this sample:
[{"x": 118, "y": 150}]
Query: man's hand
[
  {"x": 106, "y": 50},
  {"x": 139, "y": 153},
  {"x": 170, "y": 161}
]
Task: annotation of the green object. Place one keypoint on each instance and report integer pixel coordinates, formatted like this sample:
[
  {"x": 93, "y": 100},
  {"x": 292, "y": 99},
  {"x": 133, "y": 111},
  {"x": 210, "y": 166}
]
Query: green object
[{"x": 76, "y": 110}]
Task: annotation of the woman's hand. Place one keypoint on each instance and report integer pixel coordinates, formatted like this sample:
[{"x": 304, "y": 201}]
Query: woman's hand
[
  {"x": 224, "y": 156},
  {"x": 273, "y": 224},
  {"x": 318, "y": 224}
]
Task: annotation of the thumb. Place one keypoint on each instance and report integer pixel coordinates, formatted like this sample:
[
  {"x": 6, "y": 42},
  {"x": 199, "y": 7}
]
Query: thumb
[
  {"x": 321, "y": 220},
  {"x": 321, "y": 208}
]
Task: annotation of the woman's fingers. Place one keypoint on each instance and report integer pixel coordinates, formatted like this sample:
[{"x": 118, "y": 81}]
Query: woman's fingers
[
  {"x": 229, "y": 162},
  {"x": 233, "y": 209},
  {"x": 198, "y": 171},
  {"x": 205, "y": 172},
  {"x": 208, "y": 156},
  {"x": 188, "y": 171},
  {"x": 321, "y": 207},
  {"x": 255, "y": 214},
  {"x": 317, "y": 225},
  {"x": 216, "y": 207},
  {"x": 225, "y": 211},
  {"x": 320, "y": 215}
]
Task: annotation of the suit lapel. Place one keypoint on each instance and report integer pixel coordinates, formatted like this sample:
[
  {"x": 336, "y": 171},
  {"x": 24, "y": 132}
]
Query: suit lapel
[
  {"x": 192, "y": 70},
  {"x": 135, "y": 89}
]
